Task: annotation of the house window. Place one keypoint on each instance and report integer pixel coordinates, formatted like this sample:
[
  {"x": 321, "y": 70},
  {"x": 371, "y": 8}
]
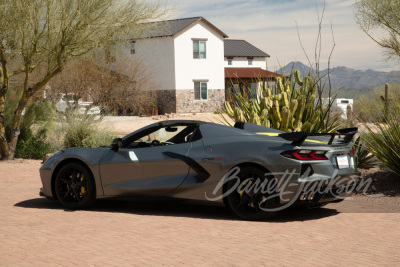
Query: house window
[
  {"x": 200, "y": 91},
  {"x": 199, "y": 49},
  {"x": 229, "y": 61},
  {"x": 133, "y": 47},
  {"x": 250, "y": 61},
  {"x": 253, "y": 89}
]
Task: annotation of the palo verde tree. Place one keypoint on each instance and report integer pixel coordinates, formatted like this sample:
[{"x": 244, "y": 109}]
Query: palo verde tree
[
  {"x": 46, "y": 34},
  {"x": 381, "y": 15}
]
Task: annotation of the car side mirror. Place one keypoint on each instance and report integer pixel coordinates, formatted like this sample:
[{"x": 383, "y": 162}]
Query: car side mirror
[{"x": 116, "y": 144}]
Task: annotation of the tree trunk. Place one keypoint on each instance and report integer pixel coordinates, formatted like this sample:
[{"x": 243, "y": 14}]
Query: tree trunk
[{"x": 4, "y": 150}]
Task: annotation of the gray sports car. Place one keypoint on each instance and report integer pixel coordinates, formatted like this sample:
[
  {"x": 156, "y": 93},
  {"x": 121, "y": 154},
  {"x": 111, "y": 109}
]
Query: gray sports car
[{"x": 254, "y": 170}]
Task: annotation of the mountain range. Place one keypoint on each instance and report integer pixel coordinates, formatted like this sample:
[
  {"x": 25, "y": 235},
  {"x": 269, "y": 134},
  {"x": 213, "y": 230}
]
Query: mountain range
[{"x": 350, "y": 82}]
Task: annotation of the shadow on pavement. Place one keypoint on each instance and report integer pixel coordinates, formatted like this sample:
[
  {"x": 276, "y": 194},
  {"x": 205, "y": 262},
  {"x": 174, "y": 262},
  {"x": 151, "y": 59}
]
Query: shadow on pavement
[{"x": 178, "y": 208}]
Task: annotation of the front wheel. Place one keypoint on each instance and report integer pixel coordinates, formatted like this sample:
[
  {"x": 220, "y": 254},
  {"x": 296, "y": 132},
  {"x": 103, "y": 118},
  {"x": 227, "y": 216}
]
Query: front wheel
[
  {"x": 75, "y": 187},
  {"x": 247, "y": 199}
]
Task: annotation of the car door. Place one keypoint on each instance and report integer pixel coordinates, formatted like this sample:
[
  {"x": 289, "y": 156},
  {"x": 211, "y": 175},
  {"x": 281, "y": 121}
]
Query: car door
[{"x": 144, "y": 170}]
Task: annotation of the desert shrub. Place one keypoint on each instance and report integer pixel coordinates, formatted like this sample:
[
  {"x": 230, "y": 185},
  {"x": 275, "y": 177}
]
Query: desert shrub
[
  {"x": 374, "y": 100},
  {"x": 84, "y": 134},
  {"x": 365, "y": 159},
  {"x": 82, "y": 130},
  {"x": 385, "y": 143},
  {"x": 34, "y": 127},
  {"x": 33, "y": 146}
]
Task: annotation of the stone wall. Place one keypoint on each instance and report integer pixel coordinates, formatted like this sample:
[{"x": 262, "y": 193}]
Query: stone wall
[
  {"x": 185, "y": 102},
  {"x": 166, "y": 101}
]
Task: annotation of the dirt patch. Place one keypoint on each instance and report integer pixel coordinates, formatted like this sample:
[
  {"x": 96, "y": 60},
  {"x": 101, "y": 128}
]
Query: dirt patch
[
  {"x": 33, "y": 162},
  {"x": 383, "y": 182},
  {"x": 385, "y": 187}
]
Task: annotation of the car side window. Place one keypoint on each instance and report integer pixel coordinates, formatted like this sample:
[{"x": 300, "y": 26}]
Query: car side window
[{"x": 169, "y": 135}]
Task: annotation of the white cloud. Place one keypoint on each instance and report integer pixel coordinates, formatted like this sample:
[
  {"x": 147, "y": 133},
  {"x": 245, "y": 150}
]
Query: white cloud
[{"x": 271, "y": 26}]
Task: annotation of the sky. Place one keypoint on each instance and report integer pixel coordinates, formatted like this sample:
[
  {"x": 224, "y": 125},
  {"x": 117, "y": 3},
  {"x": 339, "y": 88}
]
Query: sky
[{"x": 270, "y": 25}]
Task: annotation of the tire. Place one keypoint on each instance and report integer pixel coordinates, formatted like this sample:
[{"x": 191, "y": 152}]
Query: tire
[
  {"x": 250, "y": 206},
  {"x": 74, "y": 186}
]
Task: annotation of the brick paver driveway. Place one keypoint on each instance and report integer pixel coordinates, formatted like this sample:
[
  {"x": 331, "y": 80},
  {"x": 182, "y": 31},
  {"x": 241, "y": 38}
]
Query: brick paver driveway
[{"x": 38, "y": 232}]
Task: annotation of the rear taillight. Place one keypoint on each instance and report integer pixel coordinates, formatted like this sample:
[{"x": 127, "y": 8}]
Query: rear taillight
[
  {"x": 304, "y": 154},
  {"x": 353, "y": 152}
]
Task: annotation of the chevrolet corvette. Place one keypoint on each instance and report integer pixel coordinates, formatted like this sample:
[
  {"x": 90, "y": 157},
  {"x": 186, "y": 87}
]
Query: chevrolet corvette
[{"x": 254, "y": 170}]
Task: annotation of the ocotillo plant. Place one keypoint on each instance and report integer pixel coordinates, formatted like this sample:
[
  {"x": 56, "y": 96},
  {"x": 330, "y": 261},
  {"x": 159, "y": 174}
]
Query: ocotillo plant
[
  {"x": 385, "y": 98},
  {"x": 290, "y": 106}
]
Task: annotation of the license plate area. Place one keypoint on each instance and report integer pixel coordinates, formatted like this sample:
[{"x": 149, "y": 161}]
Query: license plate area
[{"x": 342, "y": 162}]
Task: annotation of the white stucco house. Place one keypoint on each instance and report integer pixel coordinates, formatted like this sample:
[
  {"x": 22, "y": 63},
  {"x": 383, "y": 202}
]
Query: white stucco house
[{"x": 189, "y": 61}]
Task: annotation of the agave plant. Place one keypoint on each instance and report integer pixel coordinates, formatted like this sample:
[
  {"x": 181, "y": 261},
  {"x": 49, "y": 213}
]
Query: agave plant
[
  {"x": 291, "y": 106},
  {"x": 365, "y": 159},
  {"x": 384, "y": 144}
]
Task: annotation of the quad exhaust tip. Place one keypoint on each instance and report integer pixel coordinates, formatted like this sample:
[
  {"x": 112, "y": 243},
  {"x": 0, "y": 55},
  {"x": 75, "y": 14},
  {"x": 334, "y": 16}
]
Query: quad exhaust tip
[{"x": 307, "y": 196}]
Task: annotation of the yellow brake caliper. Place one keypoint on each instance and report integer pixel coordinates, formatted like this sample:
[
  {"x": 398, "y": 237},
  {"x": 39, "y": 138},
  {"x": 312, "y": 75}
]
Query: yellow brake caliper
[
  {"x": 83, "y": 190},
  {"x": 242, "y": 191}
]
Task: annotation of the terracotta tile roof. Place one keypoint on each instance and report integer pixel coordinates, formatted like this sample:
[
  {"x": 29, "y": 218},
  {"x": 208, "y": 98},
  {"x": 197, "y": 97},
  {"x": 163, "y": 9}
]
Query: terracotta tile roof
[
  {"x": 241, "y": 48},
  {"x": 250, "y": 73}
]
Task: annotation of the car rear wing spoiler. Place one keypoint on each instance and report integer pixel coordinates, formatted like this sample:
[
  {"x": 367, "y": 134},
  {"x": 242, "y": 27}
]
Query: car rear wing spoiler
[{"x": 298, "y": 138}]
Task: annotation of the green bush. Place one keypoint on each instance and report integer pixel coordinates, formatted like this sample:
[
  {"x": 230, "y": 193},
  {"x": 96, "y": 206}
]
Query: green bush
[
  {"x": 384, "y": 144},
  {"x": 85, "y": 134},
  {"x": 33, "y": 146},
  {"x": 34, "y": 127},
  {"x": 365, "y": 159},
  {"x": 81, "y": 130}
]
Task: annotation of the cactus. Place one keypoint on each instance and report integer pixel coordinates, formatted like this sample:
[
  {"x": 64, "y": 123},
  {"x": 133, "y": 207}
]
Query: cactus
[
  {"x": 238, "y": 115},
  {"x": 266, "y": 123},
  {"x": 288, "y": 107},
  {"x": 254, "y": 118},
  {"x": 229, "y": 109},
  {"x": 306, "y": 126},
  {"x": 349, "y": 112},
  {"x": 278, "y": 97},
  {"x": 264, "y": 115},
  {"x": 305, "y": 87},
  {"x": 297, "y": 127},
  {"x": 255, "y": 106},
  {"x": 285, "y": 119},
  {"x": 293, "y": 106},
  {"x": 298, "y": 78},
  {"x": 268, "y": 92},
  {"x": 285, "y": 99},
  {"x": 288, "y": 90},
  {"x": 276, "y": 111},
  {"x": 279, "y": 84},
  {"x": 300, "y": 112}
]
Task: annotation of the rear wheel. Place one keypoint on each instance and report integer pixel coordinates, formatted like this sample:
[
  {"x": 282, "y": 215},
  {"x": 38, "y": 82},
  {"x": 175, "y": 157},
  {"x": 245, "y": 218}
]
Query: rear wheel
[
  {"x": 247, "y": 200},
  {"x": 75, "y": 187}
]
